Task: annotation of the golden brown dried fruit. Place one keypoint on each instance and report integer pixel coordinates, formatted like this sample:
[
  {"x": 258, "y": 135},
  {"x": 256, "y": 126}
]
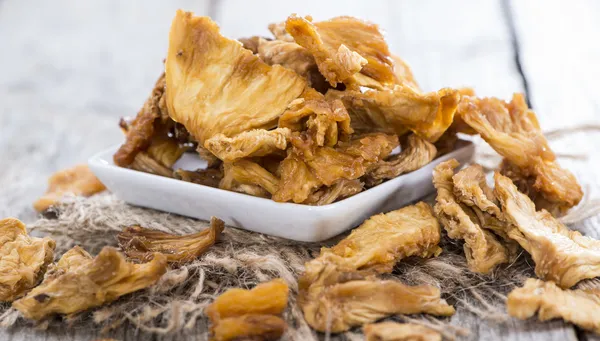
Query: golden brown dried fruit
[
  {"x": 207, "y": 177},
  {"x": 394, "y": 331},
  {"x": 400, "y": 109},
  {"x": 404, "y": 75},
  {"x": 378, "y": 243},
  {"x": 258, "y": 142},
  {"x": 348, "y": 160},
  {"x": 327, "y": 121},
  {"x": 340, "y": 190},
  {"x": 344, "y": 46},
  {"x": 482, "y": 249},
  {"x": 163, "y": 148},
  {"x": 141, "y": 243},
  {"x": 83, "y": 282},
  {"x": 248, "y": 173},
  {"x": 580, "y": 307},
  {"x": 279, "y": 32},
  {"x": 144, "y": 163},
  {"x": 287, "y": 54},
  {"x": 78, "y": 180},
  {"x": 23, "y": 259},
  {"x": 513, "y": 131},
  {"x": 416, "y": 153},
  {"x": 266, "y": 298},
  {"x": 471, "y": 188},
  {"x": 141, "y": 130},
  {"x": 560, "y": 255},
  {"x": 249, "y": 327},
  {"x": 242, "y": 314},
  {"x": 214, "y": 85},
  {"x": 339, "y": 307},
  {"x": 297, "y": 180}
]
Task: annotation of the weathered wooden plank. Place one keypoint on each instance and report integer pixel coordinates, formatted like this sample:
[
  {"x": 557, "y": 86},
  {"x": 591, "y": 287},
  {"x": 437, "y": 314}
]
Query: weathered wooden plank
[{"x": 559, "y": 54}]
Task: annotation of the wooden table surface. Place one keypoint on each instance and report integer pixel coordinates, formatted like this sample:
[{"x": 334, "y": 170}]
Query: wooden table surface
[{"x": 69, "y": 69}]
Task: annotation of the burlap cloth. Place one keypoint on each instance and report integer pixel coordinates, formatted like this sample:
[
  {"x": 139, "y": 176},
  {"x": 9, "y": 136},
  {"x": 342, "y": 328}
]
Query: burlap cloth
[{"x": 242, "y": 259}]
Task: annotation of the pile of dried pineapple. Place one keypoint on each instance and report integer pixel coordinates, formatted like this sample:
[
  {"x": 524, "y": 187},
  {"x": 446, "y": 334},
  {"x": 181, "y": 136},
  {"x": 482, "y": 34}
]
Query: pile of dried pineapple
[{"x": 312, "y": 116}]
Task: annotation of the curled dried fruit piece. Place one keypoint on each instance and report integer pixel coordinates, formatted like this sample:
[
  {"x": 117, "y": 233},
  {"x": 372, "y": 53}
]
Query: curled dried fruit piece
[
  {"x": 382, "y": 240},
  {"x": 80, "y": 282},
  {"x": 560, "y": 254},
  {"x": 416, "y": 153},
  {"x": 341, "y": 306},
  {"x": 243, "y": 174},
  {"x": 339, "y": 190},
  {"x": 207, "y": 177},
  {"x": 400, "y": 109},
  {"x": 214, "y": 85},
  {"x": 23, "y": 259},
  {"x": 144, "y": 163},
  {"x": 394, "y": 331},
  {"x": 580, "y": 307},
  {"x": 512, "y": 129},
  {"x": 287, "y": 54},
  {"x": 249, "y": 314},
  {"x": 258, "y": 142},
  {"x": 141, "y": 243},
  {"x": 482, "y": 248},
  {"x": 250, "y": 327},
  {"x": 78, "y": 180}
]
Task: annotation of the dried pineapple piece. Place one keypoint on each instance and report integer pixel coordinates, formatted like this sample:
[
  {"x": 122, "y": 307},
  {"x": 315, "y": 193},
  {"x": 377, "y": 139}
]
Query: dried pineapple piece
[
  {"x": 344, "y": 46},
  {"x": 513, "y": 131},
  {"x": 471, "y": 188},
  {"x": 403, "y": 72},
  {"x": 394, "y": 331},
  {"x": 287, "y": 54},
  {"x": 144, "y": 163},
  {"x": 214, "y": 85},
  {"x": 340, "y": 190},
  {"x": 240, "y": 314},
  {"x": 23, "y": 259},
  {"x": 580, "y": 307},
  {"x": 297, "y": 180},
  {"x": 482, "y": 249},
  {"x": 416, "y": 153},
  {"x": 258, "y": 142},
  {"x": 327, "y": 121},
  {"x": 250, "y": 327},
  {"x": 78, "y": 180},
  {"x": 80, "y": 282},
  {"x": 248, "y": 173},
  {"x": 207, "y": 177},
  {"x": 401, "y": 109},
  {"x": 141, "y": 243},
  {"x": 560, "y": 254},
  {"x": 341, "y": 306}
]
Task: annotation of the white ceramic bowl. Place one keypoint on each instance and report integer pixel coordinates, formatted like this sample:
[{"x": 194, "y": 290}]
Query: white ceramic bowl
[{"x": 287, "y": 220}]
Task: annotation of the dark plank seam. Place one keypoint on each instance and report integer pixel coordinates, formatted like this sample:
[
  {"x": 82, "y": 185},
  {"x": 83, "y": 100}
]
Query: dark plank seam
[{"x": 514, "y": 37}]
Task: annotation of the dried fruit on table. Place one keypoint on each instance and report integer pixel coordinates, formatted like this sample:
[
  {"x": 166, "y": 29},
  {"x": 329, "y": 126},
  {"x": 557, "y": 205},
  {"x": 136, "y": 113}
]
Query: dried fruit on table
[
  {"x": 343, "y": 47},
  {"x": 381, "y": 241},
  {"x": 560, "y": 254},
  {"x": 401, "y": 109},
  {"x": 341, "y": 306},
  {"x": 416, "y": 153},
  {"x": 80, "y": 282},
  {"x": 252, "y": 143},
  {"x": 297, "y": 179},
  {"x": 241, "y": 314},
  {"x": 141, "y": 130},
  {"x": 471, "y": 188},
  {"x": 23, "y": 259},
  {"x": 482, "y": 248},
  {"x": 214, "y": 85},
  {"x": 247, "y": 173},
  {"x": 249, "y": 327},
  {"x": 142, "y": 243},
  {"x": 207, "y": 177},
  {"x": 326, "y": 120},
  {"x": 513, "y": 131},
  {"x": 394, "y": 331},
  {"x": 164, "y": 148},
  {"x": 287, "y": 54},
  {"x": 78, "y": 180},
  {"x": 580, "y": 307}
]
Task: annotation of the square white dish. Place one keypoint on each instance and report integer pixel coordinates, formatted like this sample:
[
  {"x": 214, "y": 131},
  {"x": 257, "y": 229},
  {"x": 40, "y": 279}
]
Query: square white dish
[{"x": 292, "y": 221}]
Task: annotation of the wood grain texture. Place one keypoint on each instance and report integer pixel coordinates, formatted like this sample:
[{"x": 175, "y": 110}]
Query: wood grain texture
[{"x": 75, "y": 67}]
